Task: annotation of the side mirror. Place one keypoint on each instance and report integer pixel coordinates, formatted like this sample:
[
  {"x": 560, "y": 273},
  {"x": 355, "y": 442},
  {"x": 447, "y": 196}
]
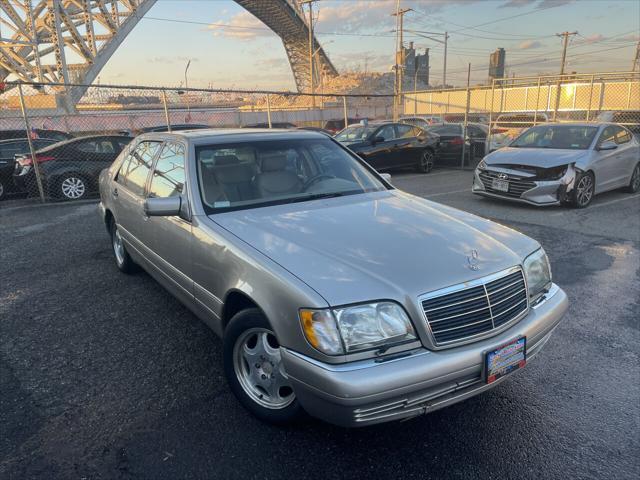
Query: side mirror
[
  {"x": 609, "y": 145},
  {"x": 386, "y": 177},
  {"x": 162, "y": 207},
  {"x": 378, "y": 139}
]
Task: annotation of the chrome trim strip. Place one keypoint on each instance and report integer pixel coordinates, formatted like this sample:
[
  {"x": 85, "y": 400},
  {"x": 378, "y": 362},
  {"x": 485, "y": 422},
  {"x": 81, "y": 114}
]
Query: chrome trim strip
[
  {"x": 466, "y": 325},
  {"x": 459, "y": 314},
  {"x": 502, "y": 288},
  {"x": 507, "y": 298},
  {"x": 454, "y": 304}
]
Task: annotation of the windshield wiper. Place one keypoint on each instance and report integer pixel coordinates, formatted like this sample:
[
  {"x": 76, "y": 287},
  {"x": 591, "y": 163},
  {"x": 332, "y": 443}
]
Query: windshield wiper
[{"x": 317, "y": 196}]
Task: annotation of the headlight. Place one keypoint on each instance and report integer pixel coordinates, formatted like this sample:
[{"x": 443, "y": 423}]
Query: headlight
[
  {"x": 358, "y": 327},
  {"x": 538, "y": 273}
]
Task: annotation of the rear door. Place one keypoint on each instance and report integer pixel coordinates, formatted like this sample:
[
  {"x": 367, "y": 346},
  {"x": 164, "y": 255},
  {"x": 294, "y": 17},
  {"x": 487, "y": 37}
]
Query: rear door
[
  {"x": 171, "y": 236},
  {"x": 407, "y": 149}
]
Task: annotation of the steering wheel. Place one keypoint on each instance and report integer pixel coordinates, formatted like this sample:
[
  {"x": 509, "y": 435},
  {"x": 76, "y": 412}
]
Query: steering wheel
[{"x": 315, "y": 179}]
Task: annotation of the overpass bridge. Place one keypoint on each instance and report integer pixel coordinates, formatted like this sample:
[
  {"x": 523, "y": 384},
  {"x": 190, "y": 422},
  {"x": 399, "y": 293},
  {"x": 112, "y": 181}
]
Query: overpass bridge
[{"x": 70, "y": 41}]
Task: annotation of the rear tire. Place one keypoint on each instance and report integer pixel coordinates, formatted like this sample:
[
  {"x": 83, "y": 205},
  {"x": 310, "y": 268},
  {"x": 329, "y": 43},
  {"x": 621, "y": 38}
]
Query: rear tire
[
  {"x": 123, "y": 261},
  {"x": 425, "y": 164},
  {"x": 634, "y": 182},
  {"x": 254, "y": 371},
  {"x": 584, "y": 190},
  {"x": 72, "y": 186}
]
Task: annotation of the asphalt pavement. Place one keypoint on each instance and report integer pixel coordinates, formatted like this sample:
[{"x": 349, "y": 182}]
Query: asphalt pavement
[{"x": 104, "y": 375}]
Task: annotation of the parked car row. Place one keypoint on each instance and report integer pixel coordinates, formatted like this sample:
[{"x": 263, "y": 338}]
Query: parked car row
[{"x": 69, "y": 169}]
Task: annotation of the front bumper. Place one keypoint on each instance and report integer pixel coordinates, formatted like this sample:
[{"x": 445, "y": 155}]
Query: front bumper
[
  {"x": 421, "y": 381},
  {"x": 540, "y": 193}
]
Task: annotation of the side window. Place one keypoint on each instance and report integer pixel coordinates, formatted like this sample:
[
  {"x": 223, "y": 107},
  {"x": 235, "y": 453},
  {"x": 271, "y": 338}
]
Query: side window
[
  {"x": 121, "y": 143},
  {"x": 97, "y": 146},
  {"x": 135, "y": 168},
  {"x": 405, "y": 131},
  {"x": 168, "y": 177},
  {"x": 607, "y": 135},
  {"x": 622, "y": 136},
  {"x": 387, "y": 132}
]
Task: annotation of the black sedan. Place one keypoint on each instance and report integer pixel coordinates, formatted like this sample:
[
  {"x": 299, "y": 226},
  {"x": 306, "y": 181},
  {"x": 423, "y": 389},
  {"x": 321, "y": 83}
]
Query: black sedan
[
  {"x": 69, "y": 169},
  {"x": 452, "y": 140},
  {"x": 389, "y": 145},
  {"x": 8, "y": 151}
]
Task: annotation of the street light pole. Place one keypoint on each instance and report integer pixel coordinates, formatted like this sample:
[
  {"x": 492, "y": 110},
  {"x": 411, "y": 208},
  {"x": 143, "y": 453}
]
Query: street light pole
[
  {"x": 444, "y": 70},
  {"x": 186, "y": 86}
]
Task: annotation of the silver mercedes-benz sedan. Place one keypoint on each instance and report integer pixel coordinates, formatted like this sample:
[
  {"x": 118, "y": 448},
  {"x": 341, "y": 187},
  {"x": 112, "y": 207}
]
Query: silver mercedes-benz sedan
[
  {"x": 334, "y": 293},
  {"x": 555, "y": 164}
]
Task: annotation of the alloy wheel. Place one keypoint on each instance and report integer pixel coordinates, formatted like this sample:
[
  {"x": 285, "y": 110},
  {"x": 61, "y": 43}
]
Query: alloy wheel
[
  {"x": 426, "y": 161},
  {"x": 584, "y": 190},
  {"x": 73, "y": 188},
  {"x": 118, "y": 246},
  {"x": 257, "y": 364}
]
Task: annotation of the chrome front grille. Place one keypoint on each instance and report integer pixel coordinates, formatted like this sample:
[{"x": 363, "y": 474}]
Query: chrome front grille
[
  {"x": 517, "y": 186},
  {"x": 458, "y": 313}
]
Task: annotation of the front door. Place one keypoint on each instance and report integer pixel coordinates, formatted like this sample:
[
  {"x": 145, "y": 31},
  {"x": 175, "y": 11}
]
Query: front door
[
  {"x": 380, "y": 156},
  {"x": 128, "y": 190},
  {"x": 171, "y": 237},
  {"x": 609, "y": 166}
]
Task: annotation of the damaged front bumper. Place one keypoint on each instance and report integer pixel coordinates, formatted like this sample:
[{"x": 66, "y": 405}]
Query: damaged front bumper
[{"x": 525, "y": 188}]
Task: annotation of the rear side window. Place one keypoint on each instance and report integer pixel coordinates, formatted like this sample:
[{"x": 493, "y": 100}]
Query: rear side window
[
  {"x": 96, "y": 146},
  {"x": 405, "y": 131},
  {"x": 168, "y": 177},
  {"x": 446, "y": 130},
  {"x": 135, "y": 168},
  {"x": 622, "y": 136}
]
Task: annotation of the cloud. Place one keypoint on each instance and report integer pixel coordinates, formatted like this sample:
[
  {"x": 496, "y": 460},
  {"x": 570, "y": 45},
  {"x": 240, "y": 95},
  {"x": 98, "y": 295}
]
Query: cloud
[
  {"x": 333, "y": 16},
  {"x": 172, "y": 59},
  {"x": 541, "y": 4},
  {"x": 596, "y": 37},
  {"x": 529, "y": 45},
  {"x": 243, "y": 26}
]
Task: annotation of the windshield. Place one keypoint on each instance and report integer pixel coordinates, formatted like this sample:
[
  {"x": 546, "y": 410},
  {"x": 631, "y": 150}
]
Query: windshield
[
  {"x": 252, "y": 174},
  {"x": 354, "y": 133},
  {"x": 566, "y": 137}
]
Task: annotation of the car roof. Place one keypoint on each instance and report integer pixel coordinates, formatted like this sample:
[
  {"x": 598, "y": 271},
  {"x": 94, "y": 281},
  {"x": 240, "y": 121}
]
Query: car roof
[
  {"x": 23, "y": 139},
  {"x": 79, "y": 139},
  {"x": 227, "y": 135}
]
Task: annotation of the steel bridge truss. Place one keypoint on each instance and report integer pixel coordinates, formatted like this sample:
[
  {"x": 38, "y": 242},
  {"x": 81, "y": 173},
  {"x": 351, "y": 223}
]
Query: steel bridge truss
[{"x": 70, "y": 41}]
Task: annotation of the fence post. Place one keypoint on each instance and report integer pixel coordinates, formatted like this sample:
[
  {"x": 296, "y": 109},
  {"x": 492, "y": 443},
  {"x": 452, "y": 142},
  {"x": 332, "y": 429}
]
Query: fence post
[
  {"x": 269, "y": 110},
  {"x": 590, "y": 98},
  {"x": 535, "y": 112},
  {"x": 344, "y": 110},
  {"x": 34, "y": 160},
  {"x": 466, "y": 119},
  {"x": 488, "y": 147},
  {"x": 166, "y": 110},
  {"x": 629, "y": 95}
]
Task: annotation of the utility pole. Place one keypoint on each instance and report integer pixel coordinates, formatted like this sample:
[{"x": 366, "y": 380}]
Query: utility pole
[
  {"x": 444, "y": 70},
  {"x": 565, "y": 43},
  {"x": 311, "y": 80},
  {"x": 399, "y": 14}
]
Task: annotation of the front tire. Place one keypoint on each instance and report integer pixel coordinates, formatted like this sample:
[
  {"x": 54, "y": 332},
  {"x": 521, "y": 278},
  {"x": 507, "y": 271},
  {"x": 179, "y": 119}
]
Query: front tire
[
  {"x": 425, "y": 165},
  {"x": 634, "y": 182},
  {"x": 584, "y": 190},
  {"x": 123, "y": 261},
  {"x": 254, "y": 370}
]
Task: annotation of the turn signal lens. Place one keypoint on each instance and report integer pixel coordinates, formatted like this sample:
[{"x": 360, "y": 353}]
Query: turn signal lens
[{"x": 321, "y": 331}]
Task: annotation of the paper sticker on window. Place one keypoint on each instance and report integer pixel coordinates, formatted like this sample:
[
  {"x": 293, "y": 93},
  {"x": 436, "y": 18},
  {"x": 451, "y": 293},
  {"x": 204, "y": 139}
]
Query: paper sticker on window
[{"x": 223, "y": 204}]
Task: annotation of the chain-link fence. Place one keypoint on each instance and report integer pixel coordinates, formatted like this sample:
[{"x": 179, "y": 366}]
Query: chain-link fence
[
  {"x": 72, "y": 144},
  {"x": 493, "y": 115}
]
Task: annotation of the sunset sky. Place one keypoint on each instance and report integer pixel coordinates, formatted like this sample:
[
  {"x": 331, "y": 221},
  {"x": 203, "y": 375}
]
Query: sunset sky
[{"x": 228, "y": 47}]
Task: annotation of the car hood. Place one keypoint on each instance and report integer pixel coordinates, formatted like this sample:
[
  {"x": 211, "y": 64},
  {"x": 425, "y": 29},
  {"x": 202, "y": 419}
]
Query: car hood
[
  {"x": 534, "y": 157},
  {"x": 377, "y": 245}
]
